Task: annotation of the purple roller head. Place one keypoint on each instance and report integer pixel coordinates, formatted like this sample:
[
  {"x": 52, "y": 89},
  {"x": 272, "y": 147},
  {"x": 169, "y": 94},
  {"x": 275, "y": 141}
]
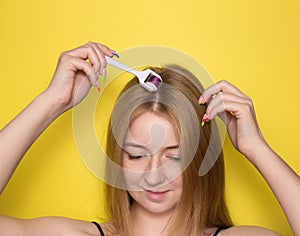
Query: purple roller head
[{"x": 154, "y": 80}]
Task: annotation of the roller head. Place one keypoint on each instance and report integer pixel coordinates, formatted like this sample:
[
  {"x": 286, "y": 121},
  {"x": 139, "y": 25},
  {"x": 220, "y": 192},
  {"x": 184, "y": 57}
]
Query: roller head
[{"x": 153, "y": 82}]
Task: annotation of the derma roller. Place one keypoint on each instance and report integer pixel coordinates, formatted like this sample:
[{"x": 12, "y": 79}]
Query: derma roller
[{"x": 148, "y": 79}]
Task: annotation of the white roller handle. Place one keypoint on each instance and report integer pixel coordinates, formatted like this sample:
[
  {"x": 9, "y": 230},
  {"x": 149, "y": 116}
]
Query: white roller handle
[{"x": 121, "y": 66}]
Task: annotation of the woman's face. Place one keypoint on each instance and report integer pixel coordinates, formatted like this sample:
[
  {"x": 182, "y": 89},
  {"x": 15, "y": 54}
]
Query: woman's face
[{"x": 152, "y": 165}]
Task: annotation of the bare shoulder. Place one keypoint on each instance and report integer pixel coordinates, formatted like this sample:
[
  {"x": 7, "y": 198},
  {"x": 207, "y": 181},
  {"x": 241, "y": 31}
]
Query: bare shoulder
[
  {"x": 248, "y": 230},
  {"x": 109, "y": 229},
  {"x": 54, "y": 226}
]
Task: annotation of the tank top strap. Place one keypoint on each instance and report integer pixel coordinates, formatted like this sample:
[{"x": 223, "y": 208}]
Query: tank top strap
[
  {"x": 99, "y": 228},
  {"x": 219, "y": 229}
]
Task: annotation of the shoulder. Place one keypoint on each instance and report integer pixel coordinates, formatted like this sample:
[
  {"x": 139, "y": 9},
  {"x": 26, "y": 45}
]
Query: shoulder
[
  {"x": 109, "y": 229},
  {"x": 52, "y": 226},
  {"x": 247, "y": 230}
]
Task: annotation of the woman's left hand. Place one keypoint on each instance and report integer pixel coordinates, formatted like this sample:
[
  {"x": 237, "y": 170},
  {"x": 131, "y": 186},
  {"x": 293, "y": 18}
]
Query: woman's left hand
[{"x": 237, "y": 112}]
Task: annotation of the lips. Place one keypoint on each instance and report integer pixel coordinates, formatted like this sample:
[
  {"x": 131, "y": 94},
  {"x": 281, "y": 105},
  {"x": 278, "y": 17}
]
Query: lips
[{"x": 156, "y": 196}]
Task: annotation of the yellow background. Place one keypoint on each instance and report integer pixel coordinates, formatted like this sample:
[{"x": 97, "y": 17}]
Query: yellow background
[{"x": 253, "y": 44}]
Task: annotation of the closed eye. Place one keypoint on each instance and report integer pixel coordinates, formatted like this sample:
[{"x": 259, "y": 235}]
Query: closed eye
[
  {"x": 134, "y": 157},
  {"x": 174, "y": 158},
  {"x": 131, "y": 156}
]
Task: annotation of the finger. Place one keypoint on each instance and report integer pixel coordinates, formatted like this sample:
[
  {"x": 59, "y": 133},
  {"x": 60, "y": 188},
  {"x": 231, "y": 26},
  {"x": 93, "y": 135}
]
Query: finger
[
  {"x": 222, "y": 98},
  {"x": 105, "y": 51},
  {"x": 102, "y": 64},
  {"x": 85, "y": 52},
  {"x": 222, "y": 106},
  {"x": 221, "y": 86},
  {"x": 82, "y": 65},
  {"x": 102, "y": 50},
  {"x": 230, "y": 106},
  {"x": 96, "y": 60}
]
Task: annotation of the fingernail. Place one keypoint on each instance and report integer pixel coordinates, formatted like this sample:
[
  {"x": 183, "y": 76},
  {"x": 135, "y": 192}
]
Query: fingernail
[
  {"x": 201, "y": 100},
  {"x": 98, "y": 86},
  {"x": 103, "y": 77},
  {"x": 115, "y": 54},
  {"x": 205, "y": 119}
]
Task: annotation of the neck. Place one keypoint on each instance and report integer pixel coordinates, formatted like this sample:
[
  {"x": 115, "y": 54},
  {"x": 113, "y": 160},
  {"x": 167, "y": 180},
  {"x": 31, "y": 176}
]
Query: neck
[{"x": 147, "y": 223}]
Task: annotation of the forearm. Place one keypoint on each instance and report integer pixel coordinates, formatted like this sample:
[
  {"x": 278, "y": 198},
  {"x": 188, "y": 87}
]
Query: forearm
[
  {"x": 284, "y": 182},
  {"x": 17, "y": 137}
]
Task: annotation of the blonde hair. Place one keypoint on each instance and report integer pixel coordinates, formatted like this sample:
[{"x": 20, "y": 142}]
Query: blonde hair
[{"x": 202, "y": 202}]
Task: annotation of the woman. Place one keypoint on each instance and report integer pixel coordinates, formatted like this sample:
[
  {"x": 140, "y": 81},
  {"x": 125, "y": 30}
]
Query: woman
[
  {"x": 161, "y": 166},
  {"x": 159, "y": 198}
]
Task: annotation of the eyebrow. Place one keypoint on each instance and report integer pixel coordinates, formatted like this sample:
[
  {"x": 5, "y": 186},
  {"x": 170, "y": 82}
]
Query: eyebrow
[
  {"x": 175, "y": 146},
  {"x": 134, "y": 145}
]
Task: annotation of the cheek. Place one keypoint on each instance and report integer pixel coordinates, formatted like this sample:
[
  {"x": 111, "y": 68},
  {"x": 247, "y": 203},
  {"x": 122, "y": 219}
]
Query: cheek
[
  {"x": 136, "y": 195},
  {"x": 177, "y": 183},
  {"x": 132, "y": 179}
]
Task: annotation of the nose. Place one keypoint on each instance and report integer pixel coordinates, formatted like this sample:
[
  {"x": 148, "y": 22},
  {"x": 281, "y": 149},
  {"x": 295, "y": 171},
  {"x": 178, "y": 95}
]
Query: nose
[{"x": 154, "y": 175}]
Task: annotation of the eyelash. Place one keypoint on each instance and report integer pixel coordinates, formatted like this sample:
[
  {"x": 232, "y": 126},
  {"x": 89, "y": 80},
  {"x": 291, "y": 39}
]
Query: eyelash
[
  {"x": 132, "y": 157},
  {"x": 136, "y": 157},
  {"x": 174, "y": 158}
]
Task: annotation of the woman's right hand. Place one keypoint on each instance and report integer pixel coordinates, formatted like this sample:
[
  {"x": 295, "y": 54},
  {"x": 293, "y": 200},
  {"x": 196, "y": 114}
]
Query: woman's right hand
[{"x": 77, "y": 70}]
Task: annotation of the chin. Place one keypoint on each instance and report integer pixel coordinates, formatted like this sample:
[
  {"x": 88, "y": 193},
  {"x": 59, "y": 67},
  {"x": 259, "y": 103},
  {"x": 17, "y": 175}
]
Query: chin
[
  {"x": 156, "y": 208},
  {"x": 155, "y": 203}
]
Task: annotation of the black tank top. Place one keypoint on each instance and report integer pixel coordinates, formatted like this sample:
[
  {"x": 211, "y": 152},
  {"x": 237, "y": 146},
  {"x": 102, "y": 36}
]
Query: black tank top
[
  {"x": 102, "y": 233},
  {"x": 218, "y": 230},
  {"x": 99, "y": 228}
]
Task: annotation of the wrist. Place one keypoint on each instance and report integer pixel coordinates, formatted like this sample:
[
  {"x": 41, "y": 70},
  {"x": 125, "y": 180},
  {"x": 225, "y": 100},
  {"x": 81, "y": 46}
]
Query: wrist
[
  {"x": 257, "y": 152},
  {"x": 53, "y": 106}
]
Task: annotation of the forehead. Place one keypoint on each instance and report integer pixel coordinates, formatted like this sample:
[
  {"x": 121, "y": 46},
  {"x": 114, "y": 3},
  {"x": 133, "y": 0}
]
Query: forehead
[{"x": 151, "y": 127}]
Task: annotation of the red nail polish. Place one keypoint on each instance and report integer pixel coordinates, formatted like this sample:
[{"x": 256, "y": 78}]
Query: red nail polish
[{"x": 205, "y": 117}]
